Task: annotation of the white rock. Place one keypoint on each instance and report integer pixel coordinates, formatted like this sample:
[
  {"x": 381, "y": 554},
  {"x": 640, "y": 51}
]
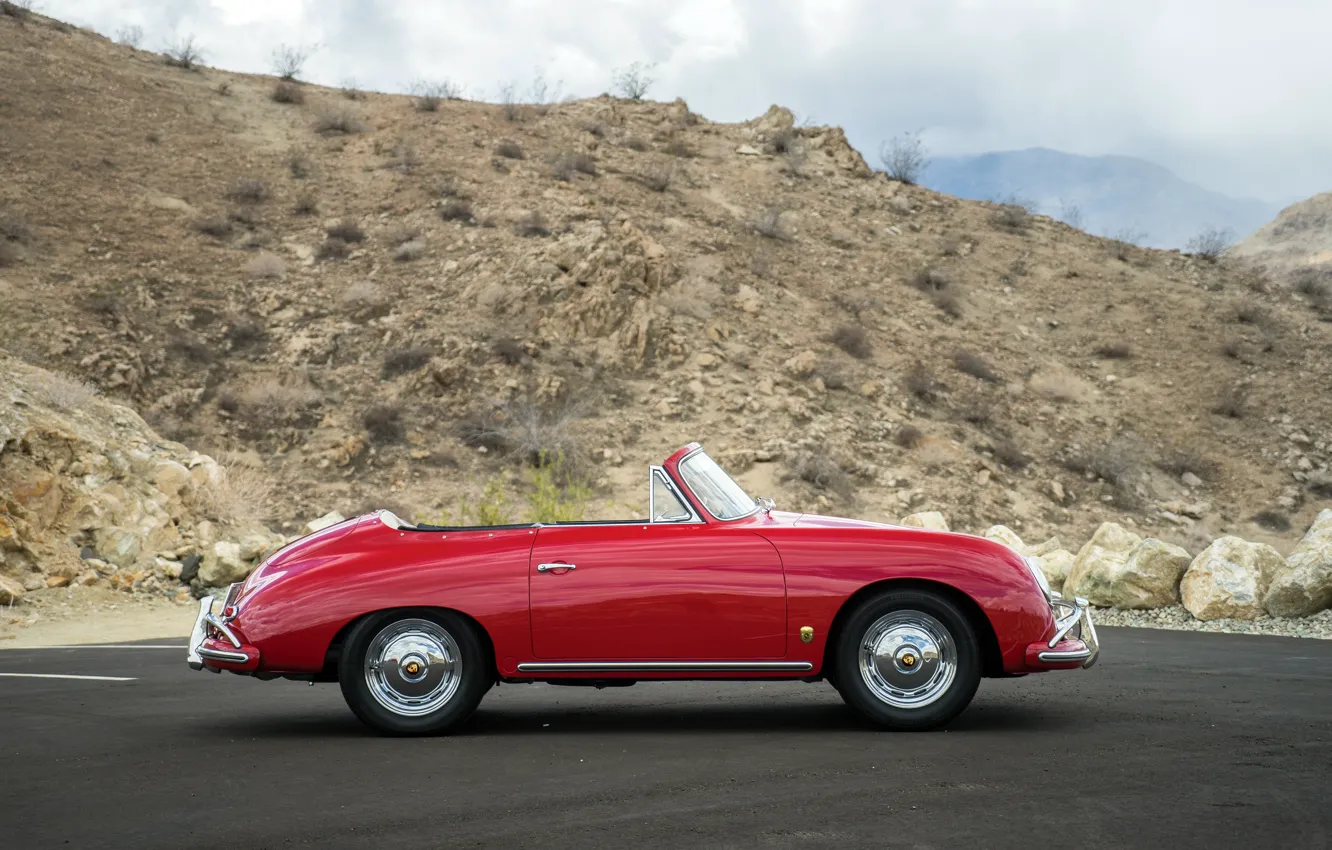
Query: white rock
[
  {"x": 1056, "y": 564},
  {"x": 1005, "y": 535},
  {"x": 1106, "y": 553},
  {"x": 1230, "y": 579},
  {"x": 329, "y": 519},
  {"x": 223, "y": 565},
  {"x": 11, "y": 591},
  {"x": 932, "y": 520},
  {"x": 1304, "y": 586},
  {"x": 748, "y": 150}
]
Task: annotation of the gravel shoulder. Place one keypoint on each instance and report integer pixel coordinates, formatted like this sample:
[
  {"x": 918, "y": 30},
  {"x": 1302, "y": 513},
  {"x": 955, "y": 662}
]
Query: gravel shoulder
[{"x": 1175, "y": 618}]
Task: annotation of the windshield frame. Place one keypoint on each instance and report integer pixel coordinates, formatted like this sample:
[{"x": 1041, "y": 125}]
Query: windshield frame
[{"x": 681, "y": 470}]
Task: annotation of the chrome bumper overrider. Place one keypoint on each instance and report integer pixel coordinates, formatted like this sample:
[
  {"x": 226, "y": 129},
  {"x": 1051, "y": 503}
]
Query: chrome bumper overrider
[
  {"x": 1078, "y": 614},
  {"x": 198, "y": 652}
]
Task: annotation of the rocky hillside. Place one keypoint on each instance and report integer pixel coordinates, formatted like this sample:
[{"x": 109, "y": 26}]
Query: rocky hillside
[
  {"x": 1297, "y": 245},
  {"x": 90, "y": 496},
  {"x": 382, "y": 300}
]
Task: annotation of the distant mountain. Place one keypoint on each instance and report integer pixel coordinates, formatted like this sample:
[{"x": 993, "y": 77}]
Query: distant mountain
[
  {"x": 1115, "y": 195},
  {"x": 1299, "y": 238}
]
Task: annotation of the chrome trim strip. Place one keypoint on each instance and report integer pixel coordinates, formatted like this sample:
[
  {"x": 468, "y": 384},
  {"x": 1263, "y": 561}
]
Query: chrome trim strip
[
  {"x": 197, "y": 635},
  {"x": 224, "y": 655},
  {"x": 217, "y": 623},
  {"x": 1065, "y": 654},
  {"x": 655, "y": 472},
  {"x": 661, "y": 666}
]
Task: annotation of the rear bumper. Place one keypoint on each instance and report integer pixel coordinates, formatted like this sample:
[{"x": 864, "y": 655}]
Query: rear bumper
[
  {"x": 216, "y": 646},
  {"x": 1062, "y": 652}
]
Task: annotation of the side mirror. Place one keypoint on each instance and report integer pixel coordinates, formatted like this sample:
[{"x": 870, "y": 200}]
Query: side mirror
[{"x": 765, "y": 503}]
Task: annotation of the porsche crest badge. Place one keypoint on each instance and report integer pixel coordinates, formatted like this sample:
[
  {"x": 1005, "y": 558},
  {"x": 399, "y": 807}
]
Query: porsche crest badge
[{"x": 806, "y": 634}]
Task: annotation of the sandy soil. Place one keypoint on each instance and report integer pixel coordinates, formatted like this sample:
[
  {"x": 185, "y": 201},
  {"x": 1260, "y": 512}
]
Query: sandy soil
[{"x": 81, "y": 615}]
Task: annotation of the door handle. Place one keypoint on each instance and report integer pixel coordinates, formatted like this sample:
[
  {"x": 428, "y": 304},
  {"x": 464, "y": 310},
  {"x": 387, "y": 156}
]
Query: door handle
[{"x": 548, "y": 568}]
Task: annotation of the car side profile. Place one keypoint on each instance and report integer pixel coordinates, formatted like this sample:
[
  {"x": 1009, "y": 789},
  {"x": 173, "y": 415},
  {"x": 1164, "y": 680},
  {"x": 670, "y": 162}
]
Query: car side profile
[{"x": 416, "y": 622}]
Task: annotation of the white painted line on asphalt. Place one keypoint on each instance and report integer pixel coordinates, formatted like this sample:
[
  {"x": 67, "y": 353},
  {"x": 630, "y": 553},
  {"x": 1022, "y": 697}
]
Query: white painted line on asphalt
[
  {"x": 107, "y": 646},
  {"x": 67, "y": 676}
]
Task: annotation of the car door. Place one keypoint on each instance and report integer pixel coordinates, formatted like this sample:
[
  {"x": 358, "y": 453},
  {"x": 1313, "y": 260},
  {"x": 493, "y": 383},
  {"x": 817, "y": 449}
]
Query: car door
[{"x": 656, "y": 591}]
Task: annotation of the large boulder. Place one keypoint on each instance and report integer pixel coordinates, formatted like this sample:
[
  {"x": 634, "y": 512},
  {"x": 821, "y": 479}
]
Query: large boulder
[
  {"x": 1229, "y": 579},
  {"x": 1118, "y": 569},
  {"x": 223, "y": 565},
  {"x": 1056, "y": 564},
  {"x": 933, "y": 520},
  {"x": 1007, "y": 536},
  {"x": 1107, "y": 551},
  {"x": 1304, "y": 585}
]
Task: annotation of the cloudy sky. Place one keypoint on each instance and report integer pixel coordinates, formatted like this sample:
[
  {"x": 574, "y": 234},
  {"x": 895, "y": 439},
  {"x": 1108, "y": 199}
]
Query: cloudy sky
[{"x": 1233, "y": 94}]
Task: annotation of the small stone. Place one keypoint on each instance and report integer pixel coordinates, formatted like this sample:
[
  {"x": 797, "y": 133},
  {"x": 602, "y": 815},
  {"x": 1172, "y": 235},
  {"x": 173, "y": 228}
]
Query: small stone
[
  {"x": 57, "y": 581},
  {"x": 1191, "y": 480},
  {"x": 748, "y": 150},
  {"x": 932, "y": 520},
  {"x": 1057, "y": 492},
  {"x": 327, "y": 520}
]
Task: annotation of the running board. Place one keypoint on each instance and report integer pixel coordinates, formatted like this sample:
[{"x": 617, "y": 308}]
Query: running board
[{"x": 665, "y": 666}]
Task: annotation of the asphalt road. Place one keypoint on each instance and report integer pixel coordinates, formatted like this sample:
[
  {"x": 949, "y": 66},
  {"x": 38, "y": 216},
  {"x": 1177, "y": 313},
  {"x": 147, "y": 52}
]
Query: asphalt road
[{"x": 1173, "y": 740}]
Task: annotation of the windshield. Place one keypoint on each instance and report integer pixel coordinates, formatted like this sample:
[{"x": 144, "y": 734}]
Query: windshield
[{"x": 718, "y": 492}]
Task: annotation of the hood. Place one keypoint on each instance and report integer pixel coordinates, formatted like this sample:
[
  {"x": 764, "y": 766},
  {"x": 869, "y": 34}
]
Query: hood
[{"x": 816, "y": 521}]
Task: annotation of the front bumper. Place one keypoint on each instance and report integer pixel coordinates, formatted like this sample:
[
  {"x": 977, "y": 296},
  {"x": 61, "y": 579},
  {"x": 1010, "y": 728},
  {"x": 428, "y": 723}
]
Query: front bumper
[
  {"x": 215, "y": 645},
  {"x": 1062, "y": 652}
]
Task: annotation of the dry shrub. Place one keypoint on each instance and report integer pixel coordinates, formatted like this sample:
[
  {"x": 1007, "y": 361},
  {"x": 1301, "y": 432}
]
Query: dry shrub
[
  {"x": 68, "y": 392},
  {"x": 951, "y": 245},
  {"x": 594, "y": 128},
  {"x": 977, "y": 410},
  {"x": 457, "y": 209},
  {"x": 920, "y": 382},
  {"x": 677, "y": 147},
  {"x": 404, "y": 360},
  {"x": 334, "y": 121},
  {"x": 242, "y": 333},
  {"x": 823, "y": 473},
  {"x": 285, "y": 92},
  {"x": 657, "y": 177},
  {"x": 1319, "y": 483},
  {"x": 19, "y": 10},
  {"x": 941, "y": 289},
  {"x": 854, "y": 340},
  {"x": 410, "y": 251},
  {"x": 528, "y": 430},
  {"x": 249, "y": 191},
  {"x": 1012, "y": 217},
  {"x": 509, "y": 149},
  {"x": 347, "y": 231},
  {"x": 768, "y": 224},
  {"x": 1115, "y": 351},
  {"x": 1211, "y": 243},
  {"x": 1233, "y": 349},
  {"x": 306, "y": 204},
  {"x": 215, "y": 226},
  {"x": 1116, "y": 463},
  {"x": 183, "y": 53},
  {"x": 14, "y": 227},
  {"x": 431, "y": 93},
  {"x": 364, "y": 294},
  {"x": 9, "y": 254},
  {"x": 333, "y": 248},
  {"x": 908, "y": 436},
  {"x": 831, "y": 375},
  {"x": 1252, "y": 314},
  {"x": 1058, "y": 386},
  {"x": 300, "y": 165},
  {"x": 271, "y": 402},
  {"x": 935, "y": 454},
  {"x": 1009, "y": 453},
  {"x": 1231, "y": 403},
  {"x": 948, "y": 301},
  {"x": 563, "y": 166},
  {"x": 266, "y": 267},
  {"x": 1187, "y": 459},
  {"x": 1315, "y": 284},
  {"x": 1272, "y": 521},
  {"x": 692, "y": 297},
  {"x": 508, "y": 350},
  {"x": 383, "y": 423},
  {"x": 193, "y": 350},
  {"x": 400, "y": 233},
  {"x": 240, "y": 492},
  {"x": 970, "y": 363},
  {"x": 532, "y": 224}
]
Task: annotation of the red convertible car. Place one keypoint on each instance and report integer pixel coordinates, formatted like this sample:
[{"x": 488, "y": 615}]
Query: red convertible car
[{"x": 417, "y": 622}]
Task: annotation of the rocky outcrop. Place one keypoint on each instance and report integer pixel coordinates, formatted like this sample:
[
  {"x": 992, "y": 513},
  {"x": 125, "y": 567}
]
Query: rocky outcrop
[
  {"x": 1229, "y": 579},
  {"x": 1304, "y": 585},
  {"x": 1119, "y": 569},
  {"x": 89, "y": 494},
  {"x": 1056, "y": 564},
  {"x": 932, "y": 520}
]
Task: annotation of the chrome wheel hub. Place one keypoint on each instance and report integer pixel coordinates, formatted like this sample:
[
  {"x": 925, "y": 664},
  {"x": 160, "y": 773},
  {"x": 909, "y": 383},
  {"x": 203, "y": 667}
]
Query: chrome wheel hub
[
  {"x": 908, "y": 659},
  {"x": 413, "y": 667}
]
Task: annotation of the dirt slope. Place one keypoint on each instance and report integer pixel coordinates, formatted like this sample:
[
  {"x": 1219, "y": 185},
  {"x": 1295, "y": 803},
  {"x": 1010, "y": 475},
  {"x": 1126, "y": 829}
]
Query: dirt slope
[{"x": 613, "y": 279}]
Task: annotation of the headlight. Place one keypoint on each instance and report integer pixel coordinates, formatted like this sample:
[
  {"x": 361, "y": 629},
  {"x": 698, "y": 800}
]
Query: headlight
[{"x": 1039, "y": 576}]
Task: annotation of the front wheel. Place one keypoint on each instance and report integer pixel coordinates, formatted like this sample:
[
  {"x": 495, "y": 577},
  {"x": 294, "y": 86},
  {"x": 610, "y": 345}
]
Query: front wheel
[
  {"x": 907, "y": 659},
  {"x": 413, "y": 673}
]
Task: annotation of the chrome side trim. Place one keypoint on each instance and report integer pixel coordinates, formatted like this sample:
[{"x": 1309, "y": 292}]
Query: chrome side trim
[
  {"x": 216, "y": 622},
  {"x": 662, "y": 666},
  {"x": 223, "y": 655},
  {"x": 197, "y": 635}
]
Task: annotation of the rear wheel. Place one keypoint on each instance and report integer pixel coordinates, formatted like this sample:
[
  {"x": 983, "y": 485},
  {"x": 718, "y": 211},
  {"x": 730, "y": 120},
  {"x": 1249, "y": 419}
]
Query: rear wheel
[
  {"x": 413, "y": 673},
  {"x": 907, "y": 659}
]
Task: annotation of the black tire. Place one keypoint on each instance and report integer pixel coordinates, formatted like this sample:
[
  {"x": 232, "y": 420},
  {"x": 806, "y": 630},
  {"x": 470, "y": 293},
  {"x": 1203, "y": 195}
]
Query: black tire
[
  {"x": 414, "y": 637},
  {"x": 912, "y": 614}
]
